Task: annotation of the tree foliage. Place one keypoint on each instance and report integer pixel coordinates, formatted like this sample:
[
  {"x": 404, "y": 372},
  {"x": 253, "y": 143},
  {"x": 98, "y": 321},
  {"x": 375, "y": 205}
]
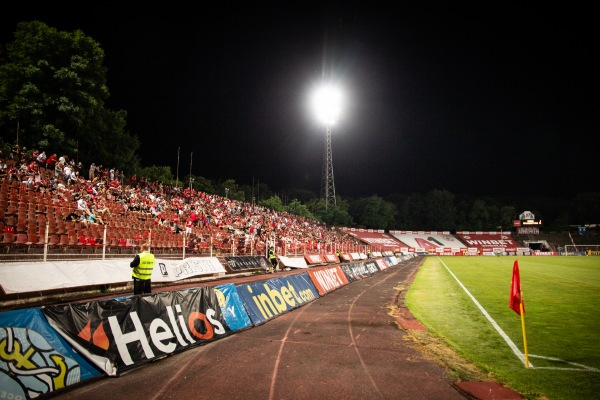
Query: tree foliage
[
  {"x": 441, "y": 212},
  {"x": 52, "y": 96},
  {"x": 335, "y": 215},
  {"x": 295, "y": 207},
  {"x": 272, "y": 203},
  {"x": 157, "y": 173}
]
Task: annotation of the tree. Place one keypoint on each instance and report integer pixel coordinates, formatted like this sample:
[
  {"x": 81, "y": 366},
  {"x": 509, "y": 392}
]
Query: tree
[
  {"x": 336, "y": 215},
  {"x": 52, "y": 96},
  {"x": 479, "y": 218},
  {"x": 157, "y": 174},
  {"x": 299, "y": 209},
  {"x": 374, "y": 212},
  {"x": 440, "y": 210},
  {"x": 200, "y": 184},
  {"x": 231, "y": 190},
  {"x": 412, "y": 213},
  {"x": 272, "y": 203},
  {"x": 586, "y": 209}
]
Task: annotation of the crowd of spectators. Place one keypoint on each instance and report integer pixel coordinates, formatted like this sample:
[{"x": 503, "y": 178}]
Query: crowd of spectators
[{"x": 107, "y": 197}]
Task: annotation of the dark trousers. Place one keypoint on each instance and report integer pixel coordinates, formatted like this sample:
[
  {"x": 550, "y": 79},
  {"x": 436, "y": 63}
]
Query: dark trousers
[{"x": 142, "y": 286}]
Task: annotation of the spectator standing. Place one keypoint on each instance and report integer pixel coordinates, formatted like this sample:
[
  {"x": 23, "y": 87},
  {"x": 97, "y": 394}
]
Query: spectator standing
[
  {"x": 67, "y": 173},
  {"x": 78, "y": 169},
  {"x": 58, "y": 170},
  {"x": 188, "y": 226},
  {"x": 51, "y": 161},
  {"x": 142, "y": 266},
  {"x": 92, "y": 172},
  {"x": 41, "y": 159}
]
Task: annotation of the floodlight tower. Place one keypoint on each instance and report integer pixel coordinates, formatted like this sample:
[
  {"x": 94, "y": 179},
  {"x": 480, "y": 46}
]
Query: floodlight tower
[{"x": 327, "y": 106}]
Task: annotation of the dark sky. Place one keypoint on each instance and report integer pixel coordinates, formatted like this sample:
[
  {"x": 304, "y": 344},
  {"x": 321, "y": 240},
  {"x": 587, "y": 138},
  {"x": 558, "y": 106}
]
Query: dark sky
[{"x": 485, "y": 101}]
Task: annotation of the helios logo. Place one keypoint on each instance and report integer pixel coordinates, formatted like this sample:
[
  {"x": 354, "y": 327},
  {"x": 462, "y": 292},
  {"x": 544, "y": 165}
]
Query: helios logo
[{"x": 165, "y": 336}]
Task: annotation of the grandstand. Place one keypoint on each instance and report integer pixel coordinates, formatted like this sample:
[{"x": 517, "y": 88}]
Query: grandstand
[
  {"x": 34, "y": 226},
  {"x": 35, "y": 223}
]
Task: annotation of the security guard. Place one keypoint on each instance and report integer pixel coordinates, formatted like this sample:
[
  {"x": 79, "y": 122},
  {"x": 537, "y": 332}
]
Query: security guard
[
  {"x": 273, "y": 261},
  {"x": 142, "y": 265}
]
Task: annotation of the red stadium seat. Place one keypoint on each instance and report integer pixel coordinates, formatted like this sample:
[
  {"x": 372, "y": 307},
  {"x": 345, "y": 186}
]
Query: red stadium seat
[{"x": 9, "y": 235}]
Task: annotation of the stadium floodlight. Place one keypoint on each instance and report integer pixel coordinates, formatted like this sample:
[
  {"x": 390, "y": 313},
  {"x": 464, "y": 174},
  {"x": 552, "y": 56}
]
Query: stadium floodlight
[{"x": 327, "y": 103}]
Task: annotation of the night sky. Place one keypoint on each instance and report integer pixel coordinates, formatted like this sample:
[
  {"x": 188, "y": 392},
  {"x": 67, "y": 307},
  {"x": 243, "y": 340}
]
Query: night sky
[{"x": 485, "y": 101}]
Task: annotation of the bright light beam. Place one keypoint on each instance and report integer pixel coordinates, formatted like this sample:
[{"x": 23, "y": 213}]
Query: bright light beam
[{"x": 327, "y": 104}]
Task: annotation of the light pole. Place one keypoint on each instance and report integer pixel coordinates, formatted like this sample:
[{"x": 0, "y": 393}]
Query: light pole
[
  {"x": 326, "y": 103},
  {"x": 191, "y": 159},
  {"x": 501, "y": 239}
]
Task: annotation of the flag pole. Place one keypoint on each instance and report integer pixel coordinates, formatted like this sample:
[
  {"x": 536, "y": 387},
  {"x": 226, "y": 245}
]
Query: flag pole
[
  {"x": 523, "y": 327},
  {"x": 517, "y": 303},
  {"x": 177, "y": 178}
]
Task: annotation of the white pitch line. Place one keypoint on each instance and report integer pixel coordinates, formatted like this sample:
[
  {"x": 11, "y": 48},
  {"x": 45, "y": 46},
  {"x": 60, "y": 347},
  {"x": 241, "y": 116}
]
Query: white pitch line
[
  {"x": 504, "y": 336},
  {"x": 510, "y": 343},
  {"x": 579, "y": 366}
]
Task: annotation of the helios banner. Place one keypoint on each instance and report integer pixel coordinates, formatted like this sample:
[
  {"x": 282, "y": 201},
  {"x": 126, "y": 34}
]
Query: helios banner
[{"x": 118, "y": 334}]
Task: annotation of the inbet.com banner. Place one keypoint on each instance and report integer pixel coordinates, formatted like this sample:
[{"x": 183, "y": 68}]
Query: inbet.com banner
[
  {"x": 118, "y": 334},
  {"x": 34, "y": 359},
  {"x": 265, "y": 300}
]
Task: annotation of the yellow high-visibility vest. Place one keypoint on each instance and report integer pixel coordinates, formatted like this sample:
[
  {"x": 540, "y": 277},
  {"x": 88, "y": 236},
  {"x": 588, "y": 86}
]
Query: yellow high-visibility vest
[{"x": 144, "y": 269}]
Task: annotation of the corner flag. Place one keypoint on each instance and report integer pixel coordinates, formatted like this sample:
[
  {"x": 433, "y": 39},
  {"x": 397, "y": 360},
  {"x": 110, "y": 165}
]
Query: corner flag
[
  {"x": 518, "y": 305},
  {"x": 516, "y": 300}
]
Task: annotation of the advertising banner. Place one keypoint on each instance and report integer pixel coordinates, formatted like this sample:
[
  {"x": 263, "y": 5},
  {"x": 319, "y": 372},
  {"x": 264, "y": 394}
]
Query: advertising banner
[
  {"x": 119, "y": 334},
  {"x": 293, "y": 262},
  {"x": 383, "y": 264},
  {"x": 78, "y": 273},
  {"x": 34, "y": 358},
  {"x": 265, "y": 300},
  {"x": 174, "y": 270},
  {"x": 328, "y": 279},
  {"x": 241, "y": 263},
  {"x": 356, "y": 271},
  {"x": 232, "y": 307}
]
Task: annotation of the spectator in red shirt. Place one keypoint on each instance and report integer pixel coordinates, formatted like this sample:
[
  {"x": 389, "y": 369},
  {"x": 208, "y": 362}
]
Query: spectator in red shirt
[{"x": 51, "y": 161}]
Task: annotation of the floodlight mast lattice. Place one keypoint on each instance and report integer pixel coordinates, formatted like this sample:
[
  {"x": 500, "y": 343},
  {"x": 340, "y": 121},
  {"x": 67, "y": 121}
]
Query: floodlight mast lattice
[
  {"x": 327, "y": 105},
  {"x": 327, "y": 181}
]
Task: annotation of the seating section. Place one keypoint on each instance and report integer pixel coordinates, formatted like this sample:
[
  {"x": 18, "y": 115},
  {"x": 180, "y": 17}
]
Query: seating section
[{"x": 34, "y": 217}]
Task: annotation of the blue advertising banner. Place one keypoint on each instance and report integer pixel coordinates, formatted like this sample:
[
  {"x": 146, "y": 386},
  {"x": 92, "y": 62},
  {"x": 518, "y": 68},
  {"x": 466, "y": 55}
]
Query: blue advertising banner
[
  {"x": 121, "y": 334},
  {"x": 267, "y": 299},
  {"x": 232, "y": 307},
  {"x": 34, "y": 359}
]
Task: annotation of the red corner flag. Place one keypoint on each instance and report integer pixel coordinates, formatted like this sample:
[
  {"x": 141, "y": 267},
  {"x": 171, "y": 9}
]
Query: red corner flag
[{"x": 515, "y": 291}]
